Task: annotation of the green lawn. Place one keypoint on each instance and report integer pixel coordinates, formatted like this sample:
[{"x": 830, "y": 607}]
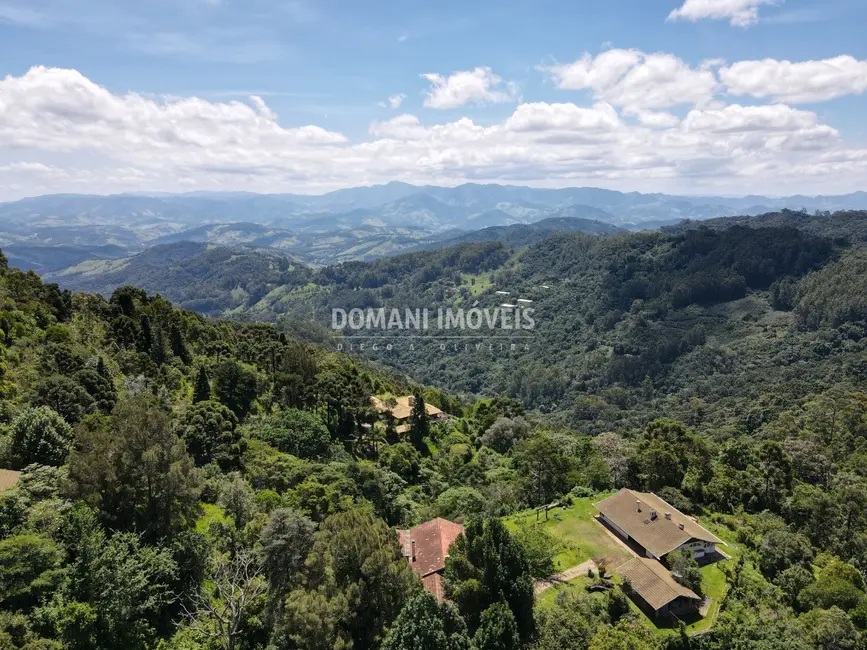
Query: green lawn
[
  {"x": 547, "y": 597},
  {"x": 713, "y": 581},
  {"x": 476, "y": 283},
  {"x": 580, "y": 537}
]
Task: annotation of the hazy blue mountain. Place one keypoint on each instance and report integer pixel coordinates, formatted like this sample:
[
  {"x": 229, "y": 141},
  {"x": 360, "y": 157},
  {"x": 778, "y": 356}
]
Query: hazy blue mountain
[
  {"x": 225, "y": 233},
  {"x": 398, "y": 204},
  {"x": 352, "y": 224},
  {"x": 44, "y": 259}
]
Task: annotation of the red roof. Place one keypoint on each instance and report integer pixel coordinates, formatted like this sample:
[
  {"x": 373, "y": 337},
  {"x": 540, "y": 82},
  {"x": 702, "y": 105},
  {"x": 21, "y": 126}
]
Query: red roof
[
  {"x": 432, "y": 540},
  {"x": 434, "y": 584}
]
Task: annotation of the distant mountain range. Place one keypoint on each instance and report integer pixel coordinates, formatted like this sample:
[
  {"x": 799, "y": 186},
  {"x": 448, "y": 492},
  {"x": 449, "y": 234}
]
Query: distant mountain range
[
  {"x": 48, "y": 233},
  {"x": 468, "y": 206}
]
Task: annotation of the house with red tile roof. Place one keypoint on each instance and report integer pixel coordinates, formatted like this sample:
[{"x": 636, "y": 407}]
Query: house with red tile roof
[{"x": 426, "y": 547}]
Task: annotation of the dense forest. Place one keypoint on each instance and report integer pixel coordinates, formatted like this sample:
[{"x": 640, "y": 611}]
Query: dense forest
[
  {"x": 692, "y": 324},
  {"x": 193, "y": 483}
]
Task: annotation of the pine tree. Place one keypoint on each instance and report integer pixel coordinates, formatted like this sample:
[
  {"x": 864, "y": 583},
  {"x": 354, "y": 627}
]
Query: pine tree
[
  {"x": 419, "y": 427},
  {"x": 146, "y": 335},
  {"x": 179, "y": 345},
  {"x": 101, "y": 369},
  {"x": 425, "y": 624},
  {"x": 158, "y": 347},
  {"x": 497, "y": 630},
  {"x": 202, "y": 389}
]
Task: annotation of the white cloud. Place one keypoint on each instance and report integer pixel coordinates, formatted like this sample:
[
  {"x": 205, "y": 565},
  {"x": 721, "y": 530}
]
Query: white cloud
[
  {"x": 29, "y": 168},
  {"x": 396, "y": 100},
  {"x": 543, "y": 117},
  {"x": 60, "y": 132},
  {"x": 401, "y": 127},
  {"x": 750, "y": 119},
  {"x": 478, "y": 86},
  {"x": 656, "y": 119},
  {"x": 796, "y": 83},
  {"x": 635, "y": 80},
  {"x": 740, "y": 13},
  {"x": 61, "y": 110}
]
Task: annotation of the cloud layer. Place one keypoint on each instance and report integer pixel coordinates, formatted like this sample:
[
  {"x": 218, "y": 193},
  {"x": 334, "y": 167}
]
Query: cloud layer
[
  {"x": 796, "y": 83},
  {"x": 61, "y": 132}
]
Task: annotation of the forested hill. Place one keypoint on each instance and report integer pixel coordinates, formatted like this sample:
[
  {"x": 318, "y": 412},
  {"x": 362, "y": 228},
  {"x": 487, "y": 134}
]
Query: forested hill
[
  {"x": 625, "y": 325},
  {"x": 849, "y": 225},
  {"x": 172, "y": 482},
  {"x": 209, "y": 279},
  {"x": 628, "y": 322},
  {"x": 519, "y": 235},
  {"x": 216, "y": 279}
]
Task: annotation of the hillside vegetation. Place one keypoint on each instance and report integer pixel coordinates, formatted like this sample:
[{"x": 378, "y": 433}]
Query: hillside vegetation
[
  {"x": 629, "y": 324},
  {"x": 196, "y": 483}
]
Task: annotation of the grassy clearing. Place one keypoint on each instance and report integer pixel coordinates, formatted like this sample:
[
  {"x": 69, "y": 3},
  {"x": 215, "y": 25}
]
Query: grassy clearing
[
  {"x": 579, "y": 536},
  {"x": 713, "y": 581},
  {"x": 548, "y": 597},
  {"x": 476, "y": 283},
  {"x": 210, "y": 512}
]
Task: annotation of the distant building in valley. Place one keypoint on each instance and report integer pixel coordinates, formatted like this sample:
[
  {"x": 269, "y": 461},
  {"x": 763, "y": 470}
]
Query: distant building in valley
[{"x": 401, "y": 410}]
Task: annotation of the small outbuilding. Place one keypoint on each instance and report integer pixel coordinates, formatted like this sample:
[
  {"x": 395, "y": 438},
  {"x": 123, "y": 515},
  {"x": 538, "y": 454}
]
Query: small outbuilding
[{"x": 655, "y": 590}]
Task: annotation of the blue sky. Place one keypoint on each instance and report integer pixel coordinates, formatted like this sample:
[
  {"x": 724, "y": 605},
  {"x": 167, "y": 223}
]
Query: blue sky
[{"x": 333, "y": 65}]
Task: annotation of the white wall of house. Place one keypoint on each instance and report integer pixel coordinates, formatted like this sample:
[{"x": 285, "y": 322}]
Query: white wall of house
[{"x": 698, "y": 548}]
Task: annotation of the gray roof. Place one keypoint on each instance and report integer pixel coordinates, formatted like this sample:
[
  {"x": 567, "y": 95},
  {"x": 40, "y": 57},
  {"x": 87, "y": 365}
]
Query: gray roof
[
  {"x": 652, "y": 581},
  {"x": 661, "y": 533}
]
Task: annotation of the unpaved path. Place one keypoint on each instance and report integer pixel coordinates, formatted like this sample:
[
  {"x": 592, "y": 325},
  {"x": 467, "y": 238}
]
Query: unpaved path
[{"x": 564, "y": 576}]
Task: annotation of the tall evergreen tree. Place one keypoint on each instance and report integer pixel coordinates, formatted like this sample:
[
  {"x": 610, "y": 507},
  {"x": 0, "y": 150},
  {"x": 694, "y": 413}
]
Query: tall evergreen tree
[
  {"x": 425, "y": 624},
  {"x": 487, "y": 565},
  {"x": 179, "y": 345},
  {"x": 145, "y": 334},
  {"x": 419, "y": 423},
  {"x": 202, "y": 389},
  {"x": 101, "y": 369},
  {"x": 235, "y": 386},
  {"x": 497, "y": 630},
  {"x": 158, "y": 347}
]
